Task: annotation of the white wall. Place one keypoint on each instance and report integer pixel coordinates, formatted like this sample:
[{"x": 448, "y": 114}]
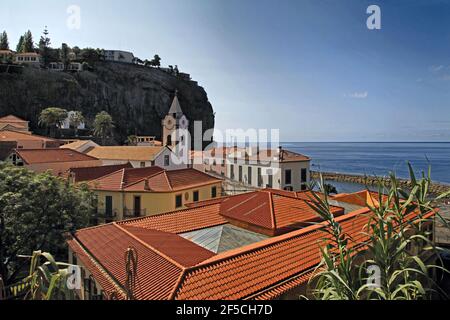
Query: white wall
[{"x": 278, "y": 173}]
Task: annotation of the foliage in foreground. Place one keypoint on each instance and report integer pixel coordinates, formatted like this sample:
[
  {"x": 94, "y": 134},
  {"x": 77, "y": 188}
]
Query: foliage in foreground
[
  {"x": 48, "y": 279},
  {"x": 35, "y": 211},
  {"x": 399, "y": 260}
]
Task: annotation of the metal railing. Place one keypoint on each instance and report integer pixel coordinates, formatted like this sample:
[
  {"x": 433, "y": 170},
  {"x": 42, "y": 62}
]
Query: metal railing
[
  {"x": 134, "y": 213},
  {"x": 15, "y": 291}
]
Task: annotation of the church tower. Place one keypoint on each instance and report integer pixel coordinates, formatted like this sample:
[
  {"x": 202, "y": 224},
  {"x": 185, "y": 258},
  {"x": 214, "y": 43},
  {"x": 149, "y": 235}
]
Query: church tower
[{"x": 175, "y": 120}]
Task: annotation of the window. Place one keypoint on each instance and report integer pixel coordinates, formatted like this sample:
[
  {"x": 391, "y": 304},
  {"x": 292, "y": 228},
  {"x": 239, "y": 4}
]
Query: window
[
  {"x": 178, "y": 201},
  {"x": 232, "y": 172},
  {"x": 142, "y": 164},
  {"x": 260, "y": 178},
  {"x": 303, "y": 187},
  {"x": 249, "y": 175},
  {"x": 195, "y": 196},
  {"x": 270, "y": 178},
  {"x": 304, "y": 175},
  {"x": 152, "y": 163},
  {"x": 240, "y": 173},
  {"x": 166, "y": 160},
  {"x": 213, "y": 192},
  {"x": 137, "y": 206},
  {"x": 288, "y": 176}
]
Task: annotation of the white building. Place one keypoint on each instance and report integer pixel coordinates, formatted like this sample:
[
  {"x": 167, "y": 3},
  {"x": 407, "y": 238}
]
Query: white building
[
  {"x": 59, "y": 66},
  {"x": 119, "y": 56},
  {"x": 28, "y": 58},
  {"x": 278, "y": 169},
  {"x": 139, "y": 157}
]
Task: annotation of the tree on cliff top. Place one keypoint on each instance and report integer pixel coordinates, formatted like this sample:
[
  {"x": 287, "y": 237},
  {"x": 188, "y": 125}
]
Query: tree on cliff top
[
  {"x": 44, "y": 47},
  {"x": 52, "y": 118},
  {"x": 103, "y": 125},
  {"x": 4, "y": 44},
  {"x": 35, "y": 211},
  {"x": 156, "y": 62},
  {"x": 28, "y": 44},
  {"x": 64, "y": 54}
]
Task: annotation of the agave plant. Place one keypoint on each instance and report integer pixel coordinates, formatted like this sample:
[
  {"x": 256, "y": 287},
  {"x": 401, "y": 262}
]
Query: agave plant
[
  {"x": 47, "y": 280},
  {"x": 401, "y": 250}
]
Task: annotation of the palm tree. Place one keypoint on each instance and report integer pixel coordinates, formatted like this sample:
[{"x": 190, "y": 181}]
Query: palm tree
[
  {"x": 75, "y": 119},
  {"x": 52, "y": 118},
  {"x": 103, "y": 125},
  {"x": 132, "y": 140}
]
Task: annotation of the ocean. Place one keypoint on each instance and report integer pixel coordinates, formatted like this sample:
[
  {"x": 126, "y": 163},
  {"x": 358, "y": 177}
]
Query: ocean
[{"x": 377, "y": 158}]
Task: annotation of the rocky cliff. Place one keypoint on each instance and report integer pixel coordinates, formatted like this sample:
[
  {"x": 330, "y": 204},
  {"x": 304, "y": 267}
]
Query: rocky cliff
[{"x": 136, "y": 97}]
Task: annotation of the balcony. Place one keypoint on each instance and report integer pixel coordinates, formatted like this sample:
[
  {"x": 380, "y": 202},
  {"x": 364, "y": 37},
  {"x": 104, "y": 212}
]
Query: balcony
[
  {"x": 134, "y": 213},
  {"x": 104, "y": 216}
]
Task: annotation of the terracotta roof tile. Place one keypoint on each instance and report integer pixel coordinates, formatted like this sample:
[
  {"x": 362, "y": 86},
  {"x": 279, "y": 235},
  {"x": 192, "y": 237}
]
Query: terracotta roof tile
[
  {"x": 181, "y": 221},
  {"x": 32, "y": 156},
  {"x": 8, "y": 135},
  {"x": 265, "y": 269},
  {"x": 269, "y": 209},
  {"x": 130, "y": 153},
  {"x": 75, "y": 145},
  {"x": 92, "y": 173},
  {"x": 108, "y": 244},
  {"x": 153, "y": 179},
  {"x": 118, "y": 180}
]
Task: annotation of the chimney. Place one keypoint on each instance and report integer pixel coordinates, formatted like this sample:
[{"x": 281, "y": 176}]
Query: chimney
[{"x": 146, "y": 185}]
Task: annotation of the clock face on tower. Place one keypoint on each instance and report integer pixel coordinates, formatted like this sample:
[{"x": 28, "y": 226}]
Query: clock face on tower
[{"x": 169, "y": 123}]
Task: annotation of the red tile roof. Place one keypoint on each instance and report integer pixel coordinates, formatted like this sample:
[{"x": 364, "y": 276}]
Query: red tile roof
[
  {"x": 262, "y": 270},
  {"x": 8, "y": 135},
  {"x": 153, "y": 179},
  {"x": 161, "y": 257},
  {"x": 181, "y": 221},
  {"x": 119, "y": 180},
  {"x": 92, "y": 173},
  {"x": 275, "y": 211},
  {"x": 34, "y": 156},
  {"x": 14, "y": 120}
]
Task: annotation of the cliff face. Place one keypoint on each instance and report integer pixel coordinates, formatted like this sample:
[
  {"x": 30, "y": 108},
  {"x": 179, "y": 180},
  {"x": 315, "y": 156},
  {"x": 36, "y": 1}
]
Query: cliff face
[{"x": 136, "y": 97}]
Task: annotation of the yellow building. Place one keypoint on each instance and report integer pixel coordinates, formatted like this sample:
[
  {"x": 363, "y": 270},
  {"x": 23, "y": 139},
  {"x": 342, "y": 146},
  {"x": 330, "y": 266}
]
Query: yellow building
[{"x": 135, "y": 192}]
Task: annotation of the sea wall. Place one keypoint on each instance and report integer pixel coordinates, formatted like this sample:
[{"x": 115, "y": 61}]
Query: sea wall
[{"x": 435, "y": 188}]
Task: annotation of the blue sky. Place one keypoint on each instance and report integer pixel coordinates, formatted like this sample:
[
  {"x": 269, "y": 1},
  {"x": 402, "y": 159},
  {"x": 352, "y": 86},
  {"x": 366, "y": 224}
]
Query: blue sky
[{"x": 309, "y": 68}]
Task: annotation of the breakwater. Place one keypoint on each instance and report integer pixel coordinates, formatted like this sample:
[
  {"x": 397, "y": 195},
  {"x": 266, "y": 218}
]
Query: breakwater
[{"x": 435, "y": 188}]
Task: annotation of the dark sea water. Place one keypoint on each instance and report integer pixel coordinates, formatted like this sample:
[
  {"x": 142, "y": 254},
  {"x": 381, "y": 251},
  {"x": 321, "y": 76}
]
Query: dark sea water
[{"x": 377, "y": 158}]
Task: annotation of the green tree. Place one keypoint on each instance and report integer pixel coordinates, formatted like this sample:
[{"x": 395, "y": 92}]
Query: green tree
[
  {"x": 28, "y": 44},
  {"x": 76, "y": 51},
  {"x": 19, "y": 47},
  {"x": 35, "y": 212},
  {"x": 44, "y": 47},
  {"x": 64, "y": 55},
  {"x": 75, "y": 120},
  {"x": 132, "y": 140},
  {"x": 156, "y": 62},
  {"x": 52, "y": 118},
  {"x": 405, "y": 274},
  {"x": 4, "y": 43},
  {"x": 90, "y": 56},
  {"x": 103, "y": 125}
]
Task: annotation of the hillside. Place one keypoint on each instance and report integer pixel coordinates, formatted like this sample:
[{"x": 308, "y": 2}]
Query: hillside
[{"x": 136, "y": 97}]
